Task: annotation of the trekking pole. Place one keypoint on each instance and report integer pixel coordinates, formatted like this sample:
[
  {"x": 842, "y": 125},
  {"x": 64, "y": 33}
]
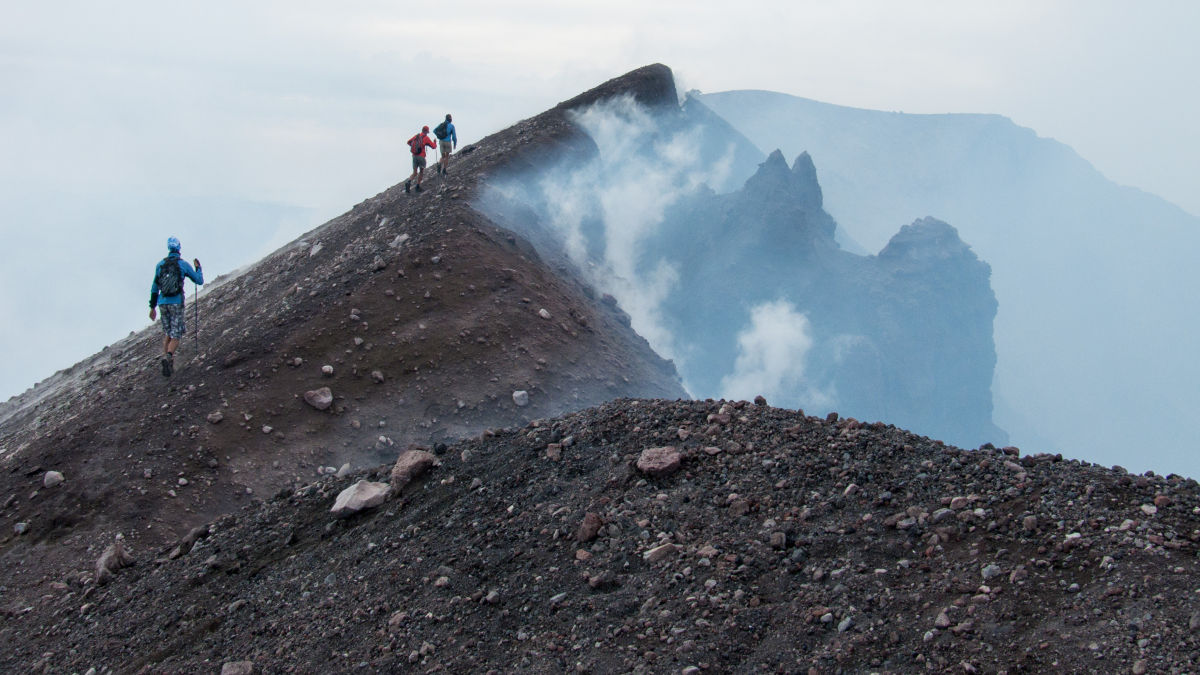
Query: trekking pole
[{"x": 196, "y": 312}]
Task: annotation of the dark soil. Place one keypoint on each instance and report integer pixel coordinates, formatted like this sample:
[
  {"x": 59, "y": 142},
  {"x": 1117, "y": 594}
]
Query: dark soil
[{"x": 792, "y": 543}]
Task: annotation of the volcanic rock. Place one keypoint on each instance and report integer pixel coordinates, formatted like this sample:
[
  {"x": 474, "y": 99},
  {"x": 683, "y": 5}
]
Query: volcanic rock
[
  {"x": 320, "y": 399},
  {"x": 361, "y": 496}
]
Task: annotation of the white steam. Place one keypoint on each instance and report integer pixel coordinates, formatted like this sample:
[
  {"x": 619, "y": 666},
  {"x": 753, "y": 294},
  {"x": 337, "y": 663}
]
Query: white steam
[
  {"x": 771, "y": 358},
  {"x": 642, "y": 169}
]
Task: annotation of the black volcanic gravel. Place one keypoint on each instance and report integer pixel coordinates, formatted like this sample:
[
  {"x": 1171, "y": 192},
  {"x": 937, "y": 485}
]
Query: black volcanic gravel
[{"x": 783, "y": 543}]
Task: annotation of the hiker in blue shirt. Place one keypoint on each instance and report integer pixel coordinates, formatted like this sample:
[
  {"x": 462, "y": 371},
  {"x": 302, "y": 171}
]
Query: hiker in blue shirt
[
  {"x": 167, "y": 293},
  {"x": 448, "y": 142}
]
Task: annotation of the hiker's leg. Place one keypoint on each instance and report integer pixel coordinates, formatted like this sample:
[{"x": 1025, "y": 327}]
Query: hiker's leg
[
  {"x": 166, "y": 343},
  {"x": 172, "y": 345}
]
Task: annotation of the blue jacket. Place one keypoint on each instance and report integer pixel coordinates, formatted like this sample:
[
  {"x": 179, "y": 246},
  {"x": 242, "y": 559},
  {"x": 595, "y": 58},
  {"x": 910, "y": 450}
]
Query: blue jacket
[
  {"x": 188, "y": 273},
  {"x": 451, "y": 134}
]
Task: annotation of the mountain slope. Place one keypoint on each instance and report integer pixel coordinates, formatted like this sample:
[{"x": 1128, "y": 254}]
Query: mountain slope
[{"x": 430, "y": 316}]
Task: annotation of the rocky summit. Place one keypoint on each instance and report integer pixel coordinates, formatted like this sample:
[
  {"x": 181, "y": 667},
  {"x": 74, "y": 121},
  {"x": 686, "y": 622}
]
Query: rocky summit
[{"x": 408, "y": 443}]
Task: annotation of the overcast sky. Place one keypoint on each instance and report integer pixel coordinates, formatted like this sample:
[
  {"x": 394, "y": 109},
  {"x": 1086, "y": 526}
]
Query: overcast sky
[{"x": 239, "y": 125}]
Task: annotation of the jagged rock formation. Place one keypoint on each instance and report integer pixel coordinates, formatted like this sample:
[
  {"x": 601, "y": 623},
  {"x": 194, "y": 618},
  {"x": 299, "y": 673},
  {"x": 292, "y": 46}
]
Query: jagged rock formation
[
  {"x": 1096, "y": 281},
  {"x": 409, "y": 319},
  {"x": 904, "y": 336}
]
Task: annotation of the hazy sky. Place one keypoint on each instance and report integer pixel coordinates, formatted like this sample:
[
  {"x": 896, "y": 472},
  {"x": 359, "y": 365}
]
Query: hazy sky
[{"x": 122, "y": 123}]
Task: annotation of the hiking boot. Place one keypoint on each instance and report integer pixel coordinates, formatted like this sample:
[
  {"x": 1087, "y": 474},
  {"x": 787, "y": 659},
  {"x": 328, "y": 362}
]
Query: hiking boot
[
  {"x": 418, "y": 187},
  {"x": 168, "y": 366},
  {"x": 406, "y": 186}
]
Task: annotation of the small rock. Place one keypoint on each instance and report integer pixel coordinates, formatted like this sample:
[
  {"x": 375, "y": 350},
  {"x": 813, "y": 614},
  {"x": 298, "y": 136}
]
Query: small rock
[
  {"x": 759, "y": 400},
  {"x": 237, "y": 668},
  {"x": 1139, "y": 667},
  {"x": 377, "y": 375},
  {"x": 20, "y": 528},
  {"x": 845, "y": 624},
  {"x": 942, "y": 620},
  {"x": 492, "y": 597},
  {"x": 320, "y": 399},
  {"x": 659, "y": 461},
  {"x": 589, "y": 528},
  {"x": 1162, "y": 501},
  {"x": 991, "y": 571},
  {"x": 1029, "y": 523},
  {"x": 959, "y": 503},
  {"x": 543, "y": 313},
  {"x": 215, "y": 417},
  {"x": 52, "y": 478},
  {"x": 521, "y": 398},
  {"x": 344, "y": 470},
  {"x": 361, "y": 496},
  {"x": 659, "y": 553},
  {"x": 115, "y": 557},
  {"x": 1149, "y": 509},
  {"x": 327, "y": 371},
  {"x": 412, "y": 463}
]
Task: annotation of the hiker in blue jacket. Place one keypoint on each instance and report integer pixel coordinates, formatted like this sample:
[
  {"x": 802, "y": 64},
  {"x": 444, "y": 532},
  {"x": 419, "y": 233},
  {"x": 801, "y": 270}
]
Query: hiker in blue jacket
[
  {"x": 447, "y": 142},
  {"x": 167, "y": 293}
]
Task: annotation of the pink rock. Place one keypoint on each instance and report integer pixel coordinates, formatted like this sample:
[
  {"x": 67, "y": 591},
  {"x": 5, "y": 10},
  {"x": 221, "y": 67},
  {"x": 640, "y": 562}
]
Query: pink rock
[
  {"x": 659, "y": 461},
  {"x": 411, "y": 463},
  {"x": 320, "y": 399}
]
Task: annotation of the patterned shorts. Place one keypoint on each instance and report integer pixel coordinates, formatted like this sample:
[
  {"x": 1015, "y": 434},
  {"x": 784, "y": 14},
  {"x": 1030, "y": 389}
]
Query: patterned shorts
[{"x": 172, "y": 319}]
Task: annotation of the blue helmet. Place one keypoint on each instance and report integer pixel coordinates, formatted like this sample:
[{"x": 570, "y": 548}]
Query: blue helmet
[{"x": 172, "y": 244}]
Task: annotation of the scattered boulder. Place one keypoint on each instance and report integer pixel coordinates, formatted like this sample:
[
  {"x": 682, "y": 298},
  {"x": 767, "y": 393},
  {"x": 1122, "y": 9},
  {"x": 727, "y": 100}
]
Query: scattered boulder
[
  {"x": 189, "y": 540},
  {"x": 662, "y": 461},
  {"x": 52, "y": 478},
  {"x": 320, "y": 399},
  {"x": 412, "y": 463},
  {"x": 215, "y": 417},
  {"x": 361, "y": 496},
  {"x": 589, "y": 528},
  {"x": 521, "y": 398},
  {"x": 238, "y": 668},
  {"x": 114, "y": 558}
]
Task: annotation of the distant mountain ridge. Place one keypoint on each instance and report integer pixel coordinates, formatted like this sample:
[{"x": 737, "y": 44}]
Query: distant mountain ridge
[{"x": 1095, "y": 281}]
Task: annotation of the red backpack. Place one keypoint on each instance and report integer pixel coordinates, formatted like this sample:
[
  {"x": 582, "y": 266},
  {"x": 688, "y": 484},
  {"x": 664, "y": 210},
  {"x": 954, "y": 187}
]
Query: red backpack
[{"x": 416, "y": 144}]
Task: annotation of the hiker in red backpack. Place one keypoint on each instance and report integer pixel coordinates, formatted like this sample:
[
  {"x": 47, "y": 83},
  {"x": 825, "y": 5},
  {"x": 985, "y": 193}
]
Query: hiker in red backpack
[{"x": 417, "y": 145}]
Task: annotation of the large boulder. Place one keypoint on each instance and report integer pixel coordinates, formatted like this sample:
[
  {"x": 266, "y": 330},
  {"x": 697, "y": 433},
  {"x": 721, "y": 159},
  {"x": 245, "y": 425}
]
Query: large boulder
[{"x": 361, "y": 496}]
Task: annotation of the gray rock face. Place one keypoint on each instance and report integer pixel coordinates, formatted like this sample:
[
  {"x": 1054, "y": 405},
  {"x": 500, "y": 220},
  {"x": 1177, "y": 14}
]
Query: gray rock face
[
  {"x": 320, "y": 399},
  {"x": 359, "y": 497}
]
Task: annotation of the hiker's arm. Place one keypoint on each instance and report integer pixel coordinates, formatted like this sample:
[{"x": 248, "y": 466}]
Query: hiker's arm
[
  {"x": 454, "y": 136},
  {"x": 196, "y": 275},
  {"x": 154, "y": 292}
]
